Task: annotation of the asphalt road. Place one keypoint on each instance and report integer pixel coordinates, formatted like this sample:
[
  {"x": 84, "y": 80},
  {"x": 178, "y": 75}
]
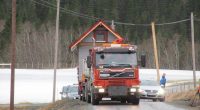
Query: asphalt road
[{"x": 144, "y": 105}]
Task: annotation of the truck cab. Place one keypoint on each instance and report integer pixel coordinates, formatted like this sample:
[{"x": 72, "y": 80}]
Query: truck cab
[{"x": 111, "y": 71}]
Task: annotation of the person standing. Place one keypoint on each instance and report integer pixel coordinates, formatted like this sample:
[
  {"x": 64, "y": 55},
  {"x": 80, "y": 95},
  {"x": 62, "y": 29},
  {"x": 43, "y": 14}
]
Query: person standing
[{"x": 163, "y": 80}]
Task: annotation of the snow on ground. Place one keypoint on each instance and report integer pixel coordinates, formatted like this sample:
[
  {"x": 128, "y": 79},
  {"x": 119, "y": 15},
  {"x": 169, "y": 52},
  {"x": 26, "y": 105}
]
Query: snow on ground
[
  {"x": 36, "y": 85},
  {"x": 170, "y": 74}
]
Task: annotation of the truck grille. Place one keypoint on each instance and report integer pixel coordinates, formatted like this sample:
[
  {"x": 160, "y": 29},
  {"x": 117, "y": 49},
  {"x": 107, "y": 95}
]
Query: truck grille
[
  {"x": 118, "y": 82},
  {"x": 117, "y": 91}
]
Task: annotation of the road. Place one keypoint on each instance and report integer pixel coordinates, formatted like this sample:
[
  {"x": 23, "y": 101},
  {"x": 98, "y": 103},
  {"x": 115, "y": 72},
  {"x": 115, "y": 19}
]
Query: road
[{"x": 144, "y": 105}]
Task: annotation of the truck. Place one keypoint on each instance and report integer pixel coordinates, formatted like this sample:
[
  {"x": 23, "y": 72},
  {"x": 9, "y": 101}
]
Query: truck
[{"x": 111, "y": 72}]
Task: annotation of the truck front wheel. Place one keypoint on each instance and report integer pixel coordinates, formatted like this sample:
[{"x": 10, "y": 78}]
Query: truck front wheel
[
  {"x": 94, "y": 101},
  {"x": 134, "y": 100},
  {"x": 88, "y": 99},
  {"x": 123, "y": 101},
  {"x": 81, "y": 97}
]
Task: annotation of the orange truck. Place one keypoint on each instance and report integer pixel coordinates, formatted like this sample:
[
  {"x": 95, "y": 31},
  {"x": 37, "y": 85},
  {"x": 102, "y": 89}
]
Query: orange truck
[{"x": 111, "y": 72}]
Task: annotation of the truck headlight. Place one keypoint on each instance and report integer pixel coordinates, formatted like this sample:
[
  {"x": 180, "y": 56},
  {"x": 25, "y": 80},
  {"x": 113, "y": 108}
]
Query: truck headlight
[
  {"x": 161, "y": 91},
  {"x": 133, "y": 89},
  {"x": 101, "y": 90}
]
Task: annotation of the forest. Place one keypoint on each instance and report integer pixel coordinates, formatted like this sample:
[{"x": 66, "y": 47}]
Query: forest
[{"x": 36, "y": 29}]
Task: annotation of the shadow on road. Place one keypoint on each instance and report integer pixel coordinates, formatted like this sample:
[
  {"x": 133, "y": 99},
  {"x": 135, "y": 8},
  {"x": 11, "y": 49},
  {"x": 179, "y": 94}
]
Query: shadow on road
[{"x": 120, "y": 104}]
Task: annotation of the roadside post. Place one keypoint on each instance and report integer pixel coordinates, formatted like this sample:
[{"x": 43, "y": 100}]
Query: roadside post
[
  {"x": 56, "y": 51},
  {"x": 155, "y": 50},
  {"x": 193, "y": 49},
  {"x": 13, "y": 55}
]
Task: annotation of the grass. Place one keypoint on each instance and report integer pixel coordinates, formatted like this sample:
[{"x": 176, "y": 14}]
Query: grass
[
  {"x": 187, "y": 95},
  {"x": 67, "y": 104},
  {"x": 54, "y": 106},
  {"x": 19, "y": 108},
  {"x": 23, "y": 106}
]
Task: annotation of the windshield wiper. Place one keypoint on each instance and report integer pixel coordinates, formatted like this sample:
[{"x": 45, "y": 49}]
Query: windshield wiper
[
  {"x": 105, "y": 65},
  {"x": 118, "y": 74},
  {"x": 115, "y": 65},
  {"x": 124, "y": 65}
]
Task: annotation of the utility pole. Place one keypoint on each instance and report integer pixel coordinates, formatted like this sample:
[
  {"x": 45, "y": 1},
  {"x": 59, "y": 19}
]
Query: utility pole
[
  {"x": 155, "y": 50},
  {"x": 56, "y": 50},
  {"x": 193, "y": 49},
  {"x": 113, "y": 25},
  {"x": 12, "y": 83}
]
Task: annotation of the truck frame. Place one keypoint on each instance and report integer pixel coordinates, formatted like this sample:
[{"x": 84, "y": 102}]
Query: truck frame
[{"x": 111, "y": 71}]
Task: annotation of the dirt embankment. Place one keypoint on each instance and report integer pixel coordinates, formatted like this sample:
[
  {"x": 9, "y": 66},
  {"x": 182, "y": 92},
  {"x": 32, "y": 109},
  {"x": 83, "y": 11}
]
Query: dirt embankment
[
  {"x": 67, "y": 104},
  {"x": 185, "y": 96},
  {"x": 183, "y": 100},
  {"x": 23, "y": 106}
]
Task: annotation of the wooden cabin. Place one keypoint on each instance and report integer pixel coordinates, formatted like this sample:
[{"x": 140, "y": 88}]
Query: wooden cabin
[{"x": 99, "y": 33}]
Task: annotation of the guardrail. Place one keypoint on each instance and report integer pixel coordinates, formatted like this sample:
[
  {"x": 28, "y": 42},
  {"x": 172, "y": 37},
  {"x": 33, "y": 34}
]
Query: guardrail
[
  {"x": 179, "y": 87},
  {"x": 5, "y": 65}
]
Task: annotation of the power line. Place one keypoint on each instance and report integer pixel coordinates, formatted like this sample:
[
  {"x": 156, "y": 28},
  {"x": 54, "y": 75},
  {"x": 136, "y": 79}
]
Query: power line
[
  {"x": 71, "y": 11},
  {"x": 131, "y": 24},
  {"x": 159, "y": 24},
  {"x": 67, "y": 11},
  {"x": 108, "y": 21},
  {"x": 175, "y": 22}
]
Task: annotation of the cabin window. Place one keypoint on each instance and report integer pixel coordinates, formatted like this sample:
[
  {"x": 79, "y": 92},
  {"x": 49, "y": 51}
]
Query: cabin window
[{"x": 101, "y": 36}]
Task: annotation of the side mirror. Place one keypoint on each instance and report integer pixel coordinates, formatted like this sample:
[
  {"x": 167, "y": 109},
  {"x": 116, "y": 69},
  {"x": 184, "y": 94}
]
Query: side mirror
[
  {"x": 89, "y": 62},
  {"x": 61, "y": 92},
  {"x": 102, "y": 56},
  {"x": 143, "y": 60}
]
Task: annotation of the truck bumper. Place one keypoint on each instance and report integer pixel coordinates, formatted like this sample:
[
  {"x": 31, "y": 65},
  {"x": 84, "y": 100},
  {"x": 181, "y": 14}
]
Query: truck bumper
[{"x": 116, "y": 92}]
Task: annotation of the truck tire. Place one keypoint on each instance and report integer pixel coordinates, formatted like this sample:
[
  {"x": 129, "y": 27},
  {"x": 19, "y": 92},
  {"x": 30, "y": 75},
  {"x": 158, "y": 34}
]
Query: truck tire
[
  {"x": 81, "y": 98},
  {"x": 88, "y": 99},
  {"x": 134, "y": 100},
  {"x": 94, "y": 101},
  {"x": 123, "y": 101},
  {"x": 83, "y": 95}
]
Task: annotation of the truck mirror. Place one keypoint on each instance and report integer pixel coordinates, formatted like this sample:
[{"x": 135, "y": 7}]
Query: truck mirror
[
  {"x": 89, "y": 62},
  {"x": 143, "y": 60},
  {"x": 102, "y": 56}
]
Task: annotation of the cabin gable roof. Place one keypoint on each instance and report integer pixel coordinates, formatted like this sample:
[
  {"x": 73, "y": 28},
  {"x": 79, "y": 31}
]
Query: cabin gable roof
[{"x": 91, "y": 29}]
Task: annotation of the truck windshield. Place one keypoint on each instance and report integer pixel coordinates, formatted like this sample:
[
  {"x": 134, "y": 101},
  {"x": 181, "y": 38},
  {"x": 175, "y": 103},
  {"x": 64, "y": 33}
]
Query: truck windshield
[{"x": 116, "y": 59}]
